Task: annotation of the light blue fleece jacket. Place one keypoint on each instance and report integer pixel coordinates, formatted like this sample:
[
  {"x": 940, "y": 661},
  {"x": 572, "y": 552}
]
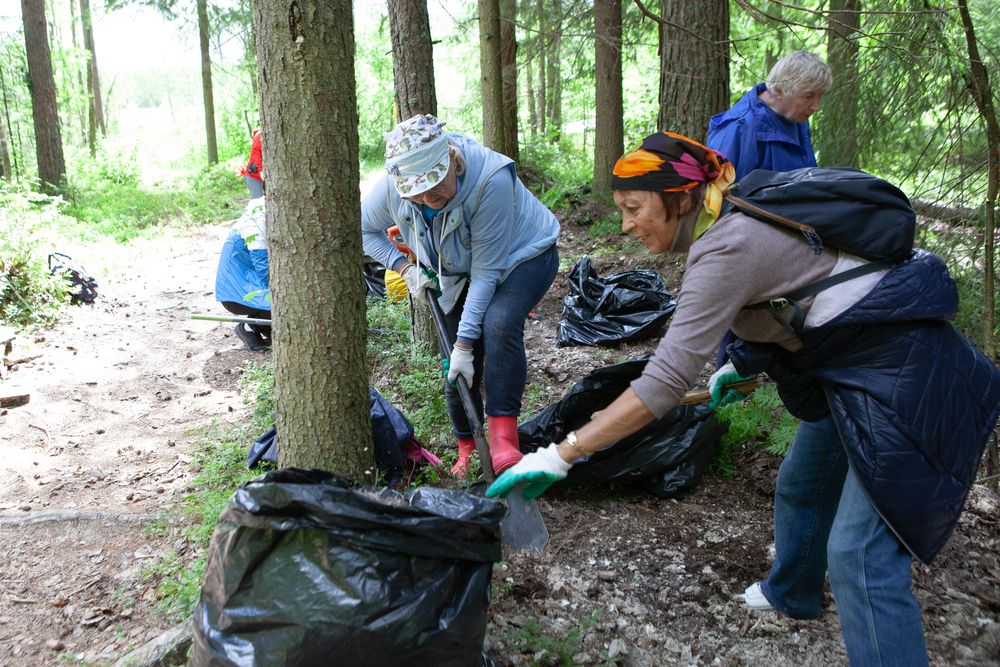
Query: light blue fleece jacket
[{"x": 490, "y": 226}]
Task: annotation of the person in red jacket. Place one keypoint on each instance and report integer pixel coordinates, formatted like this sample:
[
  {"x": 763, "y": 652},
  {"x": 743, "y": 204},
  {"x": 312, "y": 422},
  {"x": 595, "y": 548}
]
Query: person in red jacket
[{"x": 252, "y": 173}]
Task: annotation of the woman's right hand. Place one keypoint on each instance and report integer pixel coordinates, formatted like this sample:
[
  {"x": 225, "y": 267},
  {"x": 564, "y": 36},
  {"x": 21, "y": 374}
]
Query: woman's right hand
[{"x": 418, "y": 280}]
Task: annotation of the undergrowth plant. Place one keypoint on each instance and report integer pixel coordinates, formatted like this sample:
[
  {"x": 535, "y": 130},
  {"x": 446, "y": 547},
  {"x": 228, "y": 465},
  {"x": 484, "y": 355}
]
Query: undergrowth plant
[
  {"x": 760, "y": 421},
  {"x": 29, "y": 294},
  {"x": 554, "y": 650}
]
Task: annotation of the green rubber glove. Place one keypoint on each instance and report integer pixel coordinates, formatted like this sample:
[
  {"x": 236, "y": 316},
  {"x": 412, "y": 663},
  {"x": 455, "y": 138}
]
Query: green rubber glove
[
  {"x": 717, "y": 386},
  {"x": 536, "y": 472}
]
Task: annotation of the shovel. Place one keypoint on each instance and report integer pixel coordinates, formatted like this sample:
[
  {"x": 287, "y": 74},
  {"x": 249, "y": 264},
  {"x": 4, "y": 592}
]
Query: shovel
[{"x": 522, "y": 529}]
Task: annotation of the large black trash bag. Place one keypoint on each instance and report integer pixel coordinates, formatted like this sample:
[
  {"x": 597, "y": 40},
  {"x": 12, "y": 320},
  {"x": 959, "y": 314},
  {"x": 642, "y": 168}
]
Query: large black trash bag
[
  {"x": 307, "y": 568},
  {"x": 622, "y": 307},
  {"x": 665, "y": 458}
]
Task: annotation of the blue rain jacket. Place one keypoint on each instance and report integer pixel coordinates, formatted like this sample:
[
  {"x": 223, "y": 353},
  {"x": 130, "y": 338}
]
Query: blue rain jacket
[
  {"x": 913, "y": 399},
  {"x": 754, "y": 137},
  {"x": 243, "y": 261}
]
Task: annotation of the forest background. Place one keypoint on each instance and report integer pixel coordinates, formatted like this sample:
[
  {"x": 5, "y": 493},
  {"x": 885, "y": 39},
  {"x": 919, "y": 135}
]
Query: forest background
[{"x": 153, "y": 136}]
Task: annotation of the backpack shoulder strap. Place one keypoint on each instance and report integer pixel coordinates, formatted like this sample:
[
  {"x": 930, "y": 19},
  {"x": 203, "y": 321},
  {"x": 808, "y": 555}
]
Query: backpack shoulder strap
[{"x": 807, "y": 231}]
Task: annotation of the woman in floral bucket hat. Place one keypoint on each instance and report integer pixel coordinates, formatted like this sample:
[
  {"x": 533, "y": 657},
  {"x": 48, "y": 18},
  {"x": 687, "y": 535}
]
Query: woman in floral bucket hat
[{"x": 491, "y": 245}]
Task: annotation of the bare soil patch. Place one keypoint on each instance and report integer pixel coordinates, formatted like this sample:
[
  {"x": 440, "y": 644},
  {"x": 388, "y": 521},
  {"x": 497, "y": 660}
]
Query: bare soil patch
[{"x": 120, "y": 390}]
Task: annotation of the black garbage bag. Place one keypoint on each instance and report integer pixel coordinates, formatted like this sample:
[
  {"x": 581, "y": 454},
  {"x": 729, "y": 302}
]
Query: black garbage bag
[
  {"x": 374, "y": 274},
  {"x": 307, "y": 568},
  {"x": 626, "y": 306},
  {"x": 398, "y": 454},
  {"x": 665, "y": 458}
]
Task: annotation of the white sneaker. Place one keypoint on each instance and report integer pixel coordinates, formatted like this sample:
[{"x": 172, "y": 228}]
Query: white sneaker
[{"x": 754, "y": 598}]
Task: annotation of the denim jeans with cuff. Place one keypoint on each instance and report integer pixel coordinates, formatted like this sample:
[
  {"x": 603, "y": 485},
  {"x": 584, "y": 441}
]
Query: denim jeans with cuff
[{"x": 824, "y": 521}]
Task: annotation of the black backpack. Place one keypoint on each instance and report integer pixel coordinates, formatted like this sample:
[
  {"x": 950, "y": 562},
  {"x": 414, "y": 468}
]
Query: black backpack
[
  {"x": 82, "y": 286},
  {"x": 843, "y": 208}
]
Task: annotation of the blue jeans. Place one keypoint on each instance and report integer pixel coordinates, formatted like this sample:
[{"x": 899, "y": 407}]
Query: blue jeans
[
  {"x": 501, "y": 365},
  {"x": 823, "y": 520}
]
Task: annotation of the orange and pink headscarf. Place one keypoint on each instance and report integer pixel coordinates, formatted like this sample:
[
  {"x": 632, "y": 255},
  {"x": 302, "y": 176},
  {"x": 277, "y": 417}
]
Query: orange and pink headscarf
[{"x": 669, "y": 162}]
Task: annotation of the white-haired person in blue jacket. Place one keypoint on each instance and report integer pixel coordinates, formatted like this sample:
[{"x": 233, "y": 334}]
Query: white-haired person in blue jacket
[
  {"x": 491, "y": 244},
  {"x": 241, "y": 281}
]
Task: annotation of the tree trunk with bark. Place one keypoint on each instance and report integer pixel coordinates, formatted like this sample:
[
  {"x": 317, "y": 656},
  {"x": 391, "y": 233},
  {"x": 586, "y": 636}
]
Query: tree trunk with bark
[
  {"x": 979, "y": 82},
  {"x": 693, "y": 88},
  {"x": 491, "y": 75},
  {"x": 206, "y": 82},
  {"x": 416, "y": 93},
  {"x": 412, "y": 58},
  {"x": 44, "y": 110},
  {"x": 609, "y": 133},
  {"x": 540, "y": 51},
  {"x": 836, "y": 135},
  {"x": 553, "y": 72},
  {"x": 305, "y": 61},
  {"x": 508, "y": 58},
  {"x": 95, "y": 109},
  {"x": 4, "y": 152}
]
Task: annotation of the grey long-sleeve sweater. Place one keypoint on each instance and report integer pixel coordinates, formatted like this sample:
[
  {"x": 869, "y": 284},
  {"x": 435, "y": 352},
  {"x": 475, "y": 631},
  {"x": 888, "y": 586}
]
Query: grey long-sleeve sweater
[{"x": 739, "y": 261}]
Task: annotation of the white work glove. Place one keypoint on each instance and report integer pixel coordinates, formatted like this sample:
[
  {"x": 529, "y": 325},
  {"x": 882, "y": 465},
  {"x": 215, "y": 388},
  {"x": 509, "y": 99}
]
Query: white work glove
[
  {"x": 537, "y": 471},
  {"x": 461, "y": 363},
  {"x": 716, "y": 386},
  {"x": 418, "y": 280}
]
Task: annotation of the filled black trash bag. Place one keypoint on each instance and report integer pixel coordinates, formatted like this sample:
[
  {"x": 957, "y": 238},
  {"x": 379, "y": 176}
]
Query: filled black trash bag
[
  {"x": 665, "y": 458},
  {"x": 626, "y": 306},
  {"x": 307, "y": 568}
]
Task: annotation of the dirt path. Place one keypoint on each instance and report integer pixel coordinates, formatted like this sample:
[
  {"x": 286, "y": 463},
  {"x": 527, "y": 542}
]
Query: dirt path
[{"x": 119, "y": 391}]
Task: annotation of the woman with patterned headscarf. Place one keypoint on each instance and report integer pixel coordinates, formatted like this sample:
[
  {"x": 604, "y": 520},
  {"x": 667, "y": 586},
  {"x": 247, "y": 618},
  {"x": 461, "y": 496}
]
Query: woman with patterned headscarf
[{"x": 896, "y": 405}]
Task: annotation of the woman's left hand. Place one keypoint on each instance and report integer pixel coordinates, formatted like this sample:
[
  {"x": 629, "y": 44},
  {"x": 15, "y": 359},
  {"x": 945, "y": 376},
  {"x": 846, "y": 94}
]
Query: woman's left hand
[{"x": 536, "y": 471}]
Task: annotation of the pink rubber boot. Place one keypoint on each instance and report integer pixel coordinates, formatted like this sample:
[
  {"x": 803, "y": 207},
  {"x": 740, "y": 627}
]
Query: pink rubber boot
[
  {"x": 465, "y": 448},
  {"x": 503, "y": 442}
]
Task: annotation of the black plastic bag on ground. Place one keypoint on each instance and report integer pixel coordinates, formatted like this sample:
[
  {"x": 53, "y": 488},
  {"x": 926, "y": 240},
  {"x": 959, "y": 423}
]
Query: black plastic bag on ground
[
  {"x": 374, "y": 274},
  {"x": 665, "y": 458},
  {"x": 307, "y": 568},
  {"x": 626, "y": 306}
]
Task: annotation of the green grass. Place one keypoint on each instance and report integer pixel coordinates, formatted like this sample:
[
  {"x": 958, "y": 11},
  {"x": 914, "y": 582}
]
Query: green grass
[{"x": 123, "y": 208}]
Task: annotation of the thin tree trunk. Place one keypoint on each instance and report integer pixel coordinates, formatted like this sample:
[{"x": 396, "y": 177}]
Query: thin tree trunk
[
  {"x": 6, "y": 114},
  {"x": 413, "y": 75},
  {"x": 4, "y": 152},
  {"x": 412, "y": 58},
  {"x": 305, "y": 60},
  {"x": 206, "y": 82},
  {"x": 529, "y": 92},
  {"x": 93, "y": 78},
  {"x": 836, "y": 136},
  {"x": 609, "y": 135},
  {"x": 553, "y": 67},
  {"x": 491, "y": 75},
  {"x": 44, "y": 111},
  {"x": 508, "y": 58},
  {"x": 979, "y": 81},
  {"x": 543, "y": 25},
  {"x": 79, "y": 74}
]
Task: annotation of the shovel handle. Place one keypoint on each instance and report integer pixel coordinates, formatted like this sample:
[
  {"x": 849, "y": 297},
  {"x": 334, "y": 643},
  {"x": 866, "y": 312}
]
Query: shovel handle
[
  {"x": 704, "y": 395},
  {"x": 464, "y": 393}
]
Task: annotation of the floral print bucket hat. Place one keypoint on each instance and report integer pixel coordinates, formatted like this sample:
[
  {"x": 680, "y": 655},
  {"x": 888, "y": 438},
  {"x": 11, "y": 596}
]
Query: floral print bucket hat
[{"x": 416, "y": 154}]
